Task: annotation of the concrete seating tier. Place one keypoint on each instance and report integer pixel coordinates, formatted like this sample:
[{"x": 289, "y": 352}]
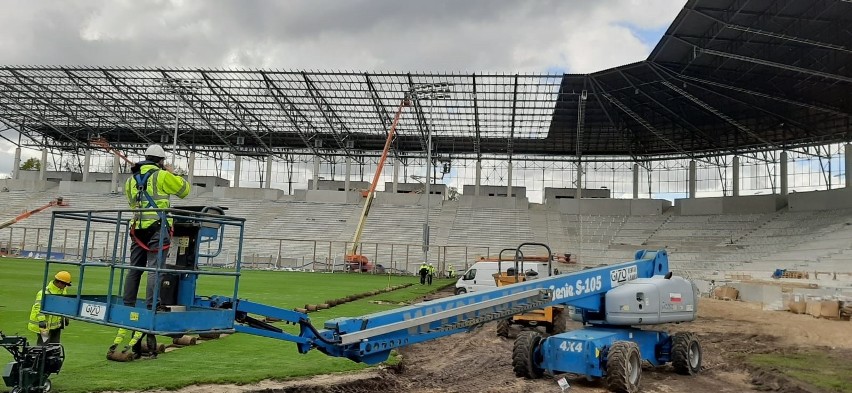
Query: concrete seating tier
[{"x": 299, "y": 231}]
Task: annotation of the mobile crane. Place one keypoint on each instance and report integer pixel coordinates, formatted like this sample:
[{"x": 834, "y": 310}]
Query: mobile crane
[
  {"x": 611, "y": 301},
  {"x": 353, "y": 260},
  {"x": 23, "y": 216}
]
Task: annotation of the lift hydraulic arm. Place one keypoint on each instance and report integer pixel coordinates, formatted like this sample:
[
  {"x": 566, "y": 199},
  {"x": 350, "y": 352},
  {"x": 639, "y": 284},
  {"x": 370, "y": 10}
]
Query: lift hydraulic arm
[
  {"x": 25, "y": 215},
  {"x": 611, "y": 300},
  {"x": 370, "y": 338}
]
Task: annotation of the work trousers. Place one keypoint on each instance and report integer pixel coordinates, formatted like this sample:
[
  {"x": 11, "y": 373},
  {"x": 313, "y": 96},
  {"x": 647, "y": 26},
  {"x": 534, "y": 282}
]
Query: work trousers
[{"x": 139, "y": 257}]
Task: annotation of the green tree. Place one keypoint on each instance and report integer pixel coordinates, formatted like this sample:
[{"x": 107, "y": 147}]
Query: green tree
[
  {"x": 453, "y": 193},
  {"x": 31, "y": 164}
]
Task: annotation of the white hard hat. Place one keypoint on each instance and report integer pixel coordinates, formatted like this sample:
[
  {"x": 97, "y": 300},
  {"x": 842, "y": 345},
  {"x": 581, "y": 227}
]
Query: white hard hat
[{"x": 155, "y": 151}]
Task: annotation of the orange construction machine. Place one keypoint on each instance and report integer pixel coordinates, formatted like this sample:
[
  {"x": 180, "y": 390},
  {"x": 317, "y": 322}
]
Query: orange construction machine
[
  {"x": 355, "y": 261},
  {"x": 553, "y": 318},
  {"x": 56, "y": 202}
]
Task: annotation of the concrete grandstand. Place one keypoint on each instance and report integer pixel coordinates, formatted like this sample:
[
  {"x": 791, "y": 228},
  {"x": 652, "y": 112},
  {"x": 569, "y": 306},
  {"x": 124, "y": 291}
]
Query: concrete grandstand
[{"x": 721, "y": 92}]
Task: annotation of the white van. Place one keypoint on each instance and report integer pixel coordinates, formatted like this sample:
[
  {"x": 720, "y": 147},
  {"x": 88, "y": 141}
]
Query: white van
[{"x": 480, "y": 276}]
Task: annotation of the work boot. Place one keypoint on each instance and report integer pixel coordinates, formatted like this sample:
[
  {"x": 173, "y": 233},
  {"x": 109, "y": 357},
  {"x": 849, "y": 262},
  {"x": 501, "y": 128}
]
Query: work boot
[
  {"x": 151, "y": 342},
  {"x": 112, "y": 348},
  {"x": 160, "y": 308},
  {"x": 137, "y": 348}
]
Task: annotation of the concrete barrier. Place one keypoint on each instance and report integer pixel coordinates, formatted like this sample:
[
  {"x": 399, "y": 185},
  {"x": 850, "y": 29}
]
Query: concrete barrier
[
  {"x": 820, "y": 200},
  {"x": 609, "y": 207},
  {"x": 76, "y": 187},
  {"x": 247, "y": 193},
  {"x": 769, "y": 296},
  {"x": 730, "y": 205},
  {"x": 27, "y": 185},
  {"x": 495, "y": 202},
  {"x": 389, "y": 198}
]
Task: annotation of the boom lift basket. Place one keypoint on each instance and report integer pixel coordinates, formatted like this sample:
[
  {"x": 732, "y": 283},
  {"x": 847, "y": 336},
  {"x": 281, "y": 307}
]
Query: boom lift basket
[{"x": 197, "y": 234}]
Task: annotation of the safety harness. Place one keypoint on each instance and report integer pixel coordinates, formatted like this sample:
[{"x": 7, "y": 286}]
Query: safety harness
[{"x": 142, "y": 197}]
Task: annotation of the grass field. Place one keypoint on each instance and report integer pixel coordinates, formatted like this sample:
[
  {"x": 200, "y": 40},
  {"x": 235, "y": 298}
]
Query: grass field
[
  {"x": 819, "y": 369},
  {"x": 239, "y": 358}
]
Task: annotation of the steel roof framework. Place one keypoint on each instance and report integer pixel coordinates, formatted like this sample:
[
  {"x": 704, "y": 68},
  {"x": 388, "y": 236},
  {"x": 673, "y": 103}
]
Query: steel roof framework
[{"x": 729, "y": 76}]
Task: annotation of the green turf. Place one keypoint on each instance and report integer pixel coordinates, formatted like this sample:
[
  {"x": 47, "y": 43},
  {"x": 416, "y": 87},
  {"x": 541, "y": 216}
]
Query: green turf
[
  {"x": 237, "y": 359},
  {"x": 819, "y": 369}
]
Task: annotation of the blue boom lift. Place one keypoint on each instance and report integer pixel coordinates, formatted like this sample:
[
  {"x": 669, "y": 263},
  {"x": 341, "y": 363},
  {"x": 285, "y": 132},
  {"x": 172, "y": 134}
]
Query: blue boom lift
[{"x": 612, "y": 301}]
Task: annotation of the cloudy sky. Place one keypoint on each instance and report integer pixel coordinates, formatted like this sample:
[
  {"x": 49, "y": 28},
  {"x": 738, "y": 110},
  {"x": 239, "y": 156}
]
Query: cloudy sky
[
  {"x": 547, "y": 36},
  {"x": 377, "y": 35}
]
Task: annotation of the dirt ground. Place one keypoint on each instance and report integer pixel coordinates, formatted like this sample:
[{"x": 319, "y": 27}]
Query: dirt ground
[{"x": 480, "y": 361}]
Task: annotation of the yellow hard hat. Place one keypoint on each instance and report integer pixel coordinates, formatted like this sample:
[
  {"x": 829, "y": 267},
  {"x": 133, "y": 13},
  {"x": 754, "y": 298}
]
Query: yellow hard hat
[{"x": 64, "y": 277}]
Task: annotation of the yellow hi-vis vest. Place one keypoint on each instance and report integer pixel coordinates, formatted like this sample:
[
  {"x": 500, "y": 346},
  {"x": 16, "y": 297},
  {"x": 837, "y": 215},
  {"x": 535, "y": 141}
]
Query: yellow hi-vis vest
[
  {"x": 160, "y": 185},
  {"x": 51, "y": 321}
]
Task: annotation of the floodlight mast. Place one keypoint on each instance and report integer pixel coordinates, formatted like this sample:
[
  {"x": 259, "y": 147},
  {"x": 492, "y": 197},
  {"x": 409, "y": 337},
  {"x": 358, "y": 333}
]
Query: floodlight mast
[
  {"x": 178, "y": 87},
  {"x": 353, "y": 255},
  {"x": 429, "y": 91}
]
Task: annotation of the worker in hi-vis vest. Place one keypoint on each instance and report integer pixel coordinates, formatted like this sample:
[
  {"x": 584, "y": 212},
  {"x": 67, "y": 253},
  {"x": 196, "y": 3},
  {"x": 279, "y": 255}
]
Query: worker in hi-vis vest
[
  {"x": 152, "y": 183},
  {"x": 49, "y": 327},
  {"x": 423, "y": 271}
]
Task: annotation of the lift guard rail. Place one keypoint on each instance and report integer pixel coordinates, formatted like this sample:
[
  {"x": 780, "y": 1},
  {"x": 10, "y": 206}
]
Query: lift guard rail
[{"x": 191, "y": 230}]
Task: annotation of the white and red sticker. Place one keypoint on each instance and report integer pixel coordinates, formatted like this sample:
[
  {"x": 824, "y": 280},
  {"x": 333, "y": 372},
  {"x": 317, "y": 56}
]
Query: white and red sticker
[{"x": 675, "y": 297}]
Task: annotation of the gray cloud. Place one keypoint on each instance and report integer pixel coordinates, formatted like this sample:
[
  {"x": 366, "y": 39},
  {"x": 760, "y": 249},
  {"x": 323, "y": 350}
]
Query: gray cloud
[{"x": 379, "y": 35}]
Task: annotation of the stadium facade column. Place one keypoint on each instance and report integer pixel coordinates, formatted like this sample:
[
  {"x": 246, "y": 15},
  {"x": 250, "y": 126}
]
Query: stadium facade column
[
  {"x": 396, "y": 164},
  {"x": 735, "y": 169},
  {"x": 692, "y": 180},
  {"x": 42, "y": 172},
  {"x": 478, "y": 177},
  {"x": 16, "y": 168},
  {"x": 316, "y": 172},
  {"x": 509, "y": 178},
  {"x": 268, "y": 183},
  {"x": 347, "y": 181},
  {"x": 190, "y": 171},
  {"x": 116, "y": 165},
  {"x": 87, "y": 161},
  {"x": 783, "y": 173},
  {"x": 578, "y": 192},
  {"x": 847, "y": 157},
  {"x": 237, "y": 162},
  {"x": 635, "y": 181}
]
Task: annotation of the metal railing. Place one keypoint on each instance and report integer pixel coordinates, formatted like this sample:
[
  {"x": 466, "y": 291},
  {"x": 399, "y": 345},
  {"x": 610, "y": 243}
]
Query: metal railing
[
  {"x": 116, "y": 247},
  {"x": 257, "y": 252}
]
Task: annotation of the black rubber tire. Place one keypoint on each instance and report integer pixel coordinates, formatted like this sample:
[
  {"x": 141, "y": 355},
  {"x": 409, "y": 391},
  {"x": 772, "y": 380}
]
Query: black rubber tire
[
  {"x": 503, "y": 327},
  {"x": 524, "y": 361},
  {"x": 460, "y": 291},
  {"x": 48, "y": 386},
  {"x": 686, "y": 354},
  {"x": 560, "y": 322},
  {"x": 623, "y": 367}
]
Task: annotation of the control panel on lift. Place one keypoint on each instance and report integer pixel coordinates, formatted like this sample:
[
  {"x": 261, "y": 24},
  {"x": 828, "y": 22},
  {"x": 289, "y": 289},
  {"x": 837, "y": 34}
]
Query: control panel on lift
[{"x": 184, "y": 249}]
